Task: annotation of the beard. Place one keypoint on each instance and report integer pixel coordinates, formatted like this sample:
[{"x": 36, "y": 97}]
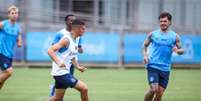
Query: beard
[{"x": 164, "y": 27}]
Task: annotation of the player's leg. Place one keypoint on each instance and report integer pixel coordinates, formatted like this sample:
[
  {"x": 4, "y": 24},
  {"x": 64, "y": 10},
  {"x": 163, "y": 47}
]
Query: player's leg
[
  {"x": 59, "y": 94},
  {"x": 61, "y": 84},
  {"x": 5, "y": 75},
  {"x": 151, "y": 93},
  {"x": 52, "y": 86},
  {"x": 6, "y": 67},
  {"x": 52, "y": 89},
  {"x": 163, "y": 82},
  {"x": 159, "y": 94},
  {"x": 153, "y": 79},
  {"x": 83, "y": 89}
]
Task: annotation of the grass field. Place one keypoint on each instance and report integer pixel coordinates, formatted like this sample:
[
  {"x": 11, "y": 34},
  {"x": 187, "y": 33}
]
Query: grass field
[{"x": 104, "y": 85}]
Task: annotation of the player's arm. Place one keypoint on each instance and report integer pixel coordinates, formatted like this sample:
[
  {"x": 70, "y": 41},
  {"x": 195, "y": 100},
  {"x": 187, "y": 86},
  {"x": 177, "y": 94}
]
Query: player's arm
[
  {"x": 52, "y": 51},
  {"x": 145, "y": 47},
  {"x": 80, "y": 49},
  {"x": 178, "y": 49},
  {"x": 1, "y": 25},
  {"x": 19, "y": 40},
  {"x": 76, "y": 64}
]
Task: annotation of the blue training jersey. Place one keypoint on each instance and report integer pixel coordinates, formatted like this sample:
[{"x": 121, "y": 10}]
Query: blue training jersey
[
  {"x": 160, "y": 50},
  {"x": 8, "y": 37}
]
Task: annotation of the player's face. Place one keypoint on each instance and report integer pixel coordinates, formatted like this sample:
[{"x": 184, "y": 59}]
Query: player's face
[
  {"x": 13, "y": 15},
  {"x": 164, "y": 23},
  {"x": 70, "y": 20},
  {"x": 81, "y": 30}
]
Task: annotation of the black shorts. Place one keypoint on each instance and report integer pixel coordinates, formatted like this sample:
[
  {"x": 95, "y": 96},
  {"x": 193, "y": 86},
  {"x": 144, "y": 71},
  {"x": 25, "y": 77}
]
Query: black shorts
[
  {"x": 65, "y": 81},
  {"x": 5, "y": 62},
  {"x": 158, "y": 76}
]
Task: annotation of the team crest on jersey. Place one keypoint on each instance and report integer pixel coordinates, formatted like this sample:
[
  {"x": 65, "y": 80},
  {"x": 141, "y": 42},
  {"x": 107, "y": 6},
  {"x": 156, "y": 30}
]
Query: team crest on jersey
[
  {"x": 5, "y": 65},
  {"x": 151, "y": 79}
]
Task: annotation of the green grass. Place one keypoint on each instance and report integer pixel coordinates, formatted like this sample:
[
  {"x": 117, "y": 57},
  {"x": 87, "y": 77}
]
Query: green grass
[{"x": 104, "y": 85}]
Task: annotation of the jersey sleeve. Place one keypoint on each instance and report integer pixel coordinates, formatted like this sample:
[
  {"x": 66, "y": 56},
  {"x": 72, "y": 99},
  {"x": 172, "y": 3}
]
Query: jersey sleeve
[
  {"x": 56, "y": 38},
  {"x": 3, "y": 23}
]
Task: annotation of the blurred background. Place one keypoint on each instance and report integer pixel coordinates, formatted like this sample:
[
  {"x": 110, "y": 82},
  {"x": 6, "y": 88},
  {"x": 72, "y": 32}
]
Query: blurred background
[
  {"x": 115, "y": 33},
  {"x": 116, "y": 29}
]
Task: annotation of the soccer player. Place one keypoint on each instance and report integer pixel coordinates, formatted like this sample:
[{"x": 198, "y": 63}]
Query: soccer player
[
  {"x": 10, "y": 34},
  {"x": 62, "y": 62},
  {"x": 162, "y": 43},
  {"x": 68, "y": 20}
]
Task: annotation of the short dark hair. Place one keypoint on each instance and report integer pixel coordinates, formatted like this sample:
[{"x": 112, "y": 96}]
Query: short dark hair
[
  {"x": 67, "y": 16},
  {"x": 165, "y": 14},
  {"x": 77, "y": 22}
]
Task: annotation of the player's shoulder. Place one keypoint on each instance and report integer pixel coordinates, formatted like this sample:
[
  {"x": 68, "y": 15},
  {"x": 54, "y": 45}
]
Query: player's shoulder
[
  {"x": 5, "y": 22},
  {"x": 173, "y": 33},
  {"x": 156, "y": 31},
  {"x": 64, "y": 31},
  {"x": 153, "y": 32}
]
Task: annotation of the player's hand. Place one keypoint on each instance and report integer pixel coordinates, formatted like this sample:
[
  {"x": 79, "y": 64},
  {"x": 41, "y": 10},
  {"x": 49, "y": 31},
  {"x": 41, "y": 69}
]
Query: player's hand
[
  {"x": 81, "y": 68},
  {"x": 145, "y": 59},
  {"x": 19, "y": 43},
  {"x": 178, "y": 51},
  {"x": 62, "y": 65},
  {"x": 80, "y": 50},
  {"x": 174, "y": 49}
]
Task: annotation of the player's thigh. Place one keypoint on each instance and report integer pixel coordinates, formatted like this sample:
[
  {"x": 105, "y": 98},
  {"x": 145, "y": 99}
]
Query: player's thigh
[
  {"x": 81, "y": 86},
  {"x": 59, "y": 93},
  {"x": 164, "y": 79},
  {"x": 5, "y": 63},
  {"x": 152, "y": 76},
  {"x": 65, "y": 81},
  {"x": 9, "y": 70}
]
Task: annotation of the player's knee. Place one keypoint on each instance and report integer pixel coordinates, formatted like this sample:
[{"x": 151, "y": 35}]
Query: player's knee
[
  {"x": 58, "y": 99},
  {"x": 159, "y": 93},
  {"x": 9, "y": 72},
  {"x": 84, "y": 88},
  {"x": 154, "y": 90}
]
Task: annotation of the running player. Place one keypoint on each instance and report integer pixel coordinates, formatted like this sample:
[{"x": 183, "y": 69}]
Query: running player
[
  {"x": 68, "y": 20},
  {"x": 62, "y": 62},
  {"x": 162, "y": 43},
  {"x": 10, "y": 33}
]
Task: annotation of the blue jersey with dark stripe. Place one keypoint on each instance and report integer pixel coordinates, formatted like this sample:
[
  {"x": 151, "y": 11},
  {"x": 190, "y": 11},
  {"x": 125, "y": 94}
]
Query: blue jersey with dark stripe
[
  {"x": 160, "y": 50},
  {"x": 8, "y": 37}
]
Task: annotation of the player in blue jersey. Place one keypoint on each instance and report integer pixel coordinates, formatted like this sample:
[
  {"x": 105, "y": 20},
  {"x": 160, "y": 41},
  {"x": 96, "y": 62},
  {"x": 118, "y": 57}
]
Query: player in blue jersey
[
  {"x": 62, "y": 62},
  {"x": 68, "y": 20},
  {"x": 10, "y": 34},
  {"x": 162, "y": 42}
]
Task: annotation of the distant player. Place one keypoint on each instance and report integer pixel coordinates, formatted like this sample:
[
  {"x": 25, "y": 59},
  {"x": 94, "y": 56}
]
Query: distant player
[
  {"x": 10, "y": 34},
  {"x": 68, "y": 21},
  {"x": 62, "y": 62},
  {"x": 162, "y": 43}
]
